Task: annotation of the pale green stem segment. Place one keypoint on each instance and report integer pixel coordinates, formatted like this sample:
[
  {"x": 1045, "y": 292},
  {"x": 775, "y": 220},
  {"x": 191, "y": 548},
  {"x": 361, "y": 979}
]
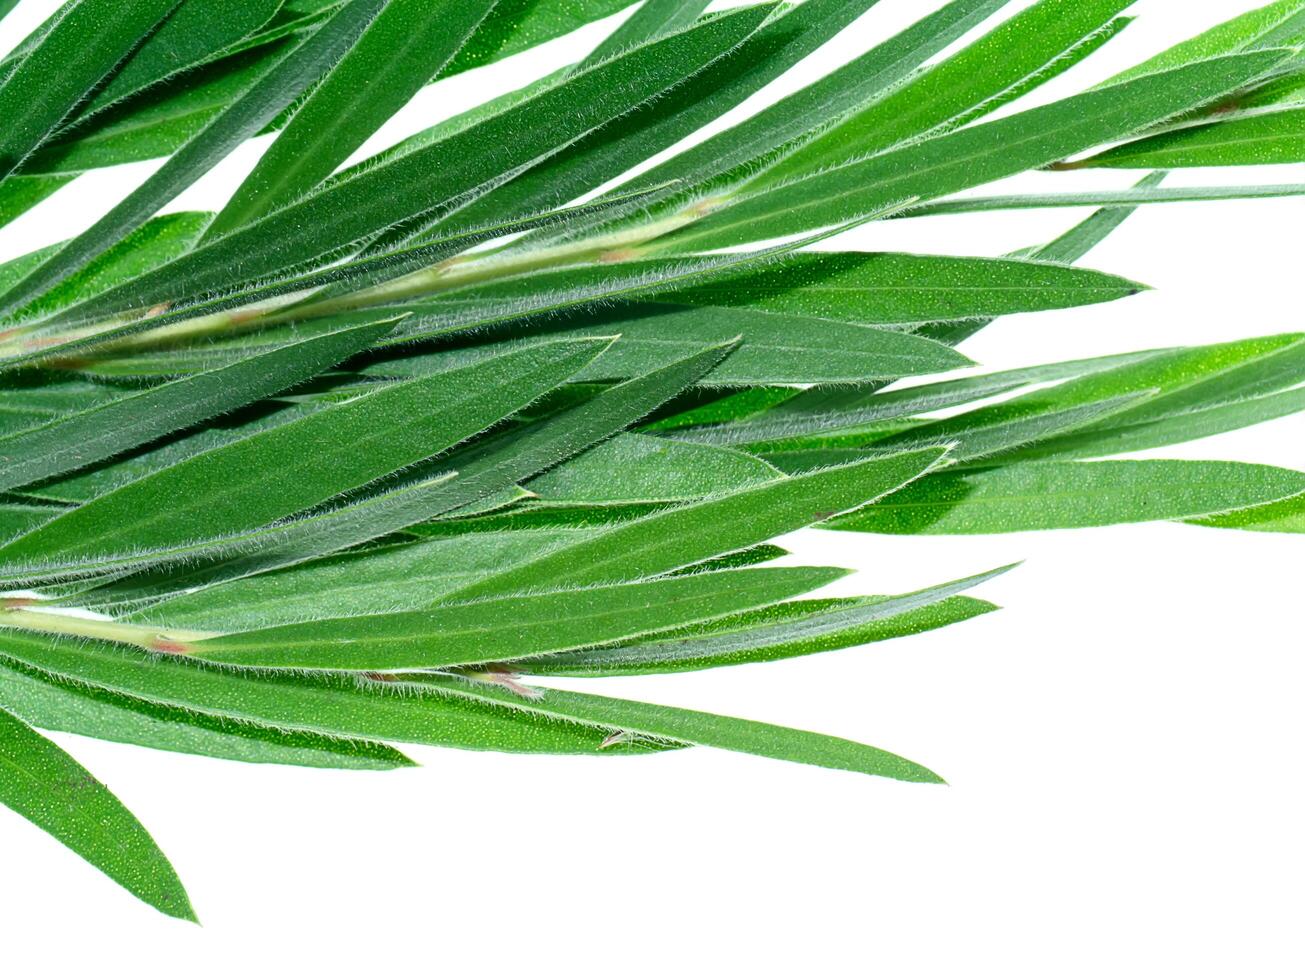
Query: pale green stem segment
[
  {"x": 14, "y": 615},
  {"x": 454, "y": 273}
]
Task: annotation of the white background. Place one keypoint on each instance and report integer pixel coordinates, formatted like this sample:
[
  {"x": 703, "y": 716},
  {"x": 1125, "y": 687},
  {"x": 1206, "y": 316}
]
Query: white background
[{"x": 1122, "y": 741}]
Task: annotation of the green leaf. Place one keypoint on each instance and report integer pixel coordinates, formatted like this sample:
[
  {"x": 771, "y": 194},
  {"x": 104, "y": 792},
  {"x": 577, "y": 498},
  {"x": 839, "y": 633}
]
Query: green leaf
[
  {"x": 1038, "y": 496},
  {"x": 1129, "y": 198},
  {"x": 791, "y": 629},
  {"x": 19, "y": 194},
  {"x": 1259, "y": 137},
  {"x": 195, "y": 32},
  {"x": 830, "y": 411},
  {"x": 253, "y": 110},
  {"x": 681, "y": 536},
  {"x": 1284, "y": 517},
  {"x": 479, "y": 472},
  {"x": 1278, "y": 24},
  {"x": 408, "y": 43},
  {"x": 650, "y": 21},
  {"x": 699, "y": 728},
  {"x": 286, "y": 469},
  {"x": 985, "y": 432},
  {"x": 975, "y": 155},
  {"x": 969, "y": 83},
  {"x": 774, "y": 347},
  {"x": 377, "y": 198},
  {"x": 517, "y": 25},
  {"x": 340, "y": 706},
  {"x": 1200, "y": 391},
  {"x": 79, "y": 440},
  {"x": 625, "y": 142},
  {"x": 829, "y": 98},
  {"x": 508, "y": 627},
  {"x": 56, "y": 705},
  {"x": 59, "y": 72},
  {"x": 633, "y": 468},
  {"x": 391, "y": 578},
  {"x": 46, "y": 785},
  {"x": 894, "y": 288},
  {"x": 157, "y": 241}
]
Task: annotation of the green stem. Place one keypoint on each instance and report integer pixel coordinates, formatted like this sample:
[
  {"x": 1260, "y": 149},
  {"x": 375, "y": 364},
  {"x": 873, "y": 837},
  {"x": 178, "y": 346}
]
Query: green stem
[
  {"x": 14, "y": 615},
  {"x": 455, "y": 273}
]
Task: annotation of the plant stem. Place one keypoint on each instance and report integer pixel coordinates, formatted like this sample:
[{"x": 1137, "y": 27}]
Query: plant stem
[{"x": 146, "y": 637}]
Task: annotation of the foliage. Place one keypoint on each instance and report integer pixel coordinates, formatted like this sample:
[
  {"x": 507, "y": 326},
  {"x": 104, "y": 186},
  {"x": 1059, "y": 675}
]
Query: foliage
[{"x": 337, "y": 465}]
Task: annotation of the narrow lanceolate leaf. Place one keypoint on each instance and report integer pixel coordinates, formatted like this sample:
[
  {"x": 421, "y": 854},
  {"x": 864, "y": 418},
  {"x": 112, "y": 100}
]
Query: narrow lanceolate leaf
[
  {"x": 47, "y": 786},
  {"x": 415, "y": 183},
  {"x": 72, "y": 442},
  {"x": 196, "y": 31},
  {"x": 157, "y": 241},
  {"x": 653, "y": 19},
  {"x": 1284, "y": 517},
  {"x": 295, "y": 466},
  {"x": 1037, "y": 496},
  {"x": 773, "y": 348},
  {"x": 475, "y": 474},
  {"x": 510, "y": 627},
  {"x": 792, "y": 629},
  {"x": 1258, "y": 137},
  {"x": 636, "y": 720},
  {"x": 1199, "y": 392},
  {"x": 257, "y": 107},
  {"x": 830, "y": 98},
  {"x": 1129, "y": 198},
  {"x": 1279, "y": 24},
  {"x": 786, "y": 38},
  {"x": 332, "y": 706},
  {"x": 398, "y": 577},
  {"x": 672, "y": 539},
  {"x": 967, "y": 83},
  {"x": 634, "y": 468},
  {"x": 1000, "y": 428},
  {"x": 400, "y": 51},
  {"x": 58, "y": 705},
  {"x": 892, "y": 288},
  {"x": 51, "y": 80},
  {"x": 976, "y": 155}
]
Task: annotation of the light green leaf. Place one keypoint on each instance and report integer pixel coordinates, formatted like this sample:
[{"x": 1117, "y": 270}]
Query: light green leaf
[
  {"x": 633, "y": 468},
  {"x": 791, "y": 629},
  {"x": 46, "y": 785},
  {"x": 975, "y": 155},
  {"x": 286, "y": 469},
  {"x": 75, "y": 441},
  {"x": 55, "y": 705},
  {"x": 1129, "y": 198},
  {"x": 1250, "y": 139},
  {"x": 635, "y": 719},
  {"x": 407, "y": 43},
  {"x": 339, "y": 706},
  {"x": 1038, "y": 496},
  {"x": 895, "y": 288},
  {"x": 971, "y": 82},
  {"x": 671, "y": 539},
  {"x": 1279, "y": 24},
  {"x": 509, "y": 627},
  {"x": 1284, "y": 517}
]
